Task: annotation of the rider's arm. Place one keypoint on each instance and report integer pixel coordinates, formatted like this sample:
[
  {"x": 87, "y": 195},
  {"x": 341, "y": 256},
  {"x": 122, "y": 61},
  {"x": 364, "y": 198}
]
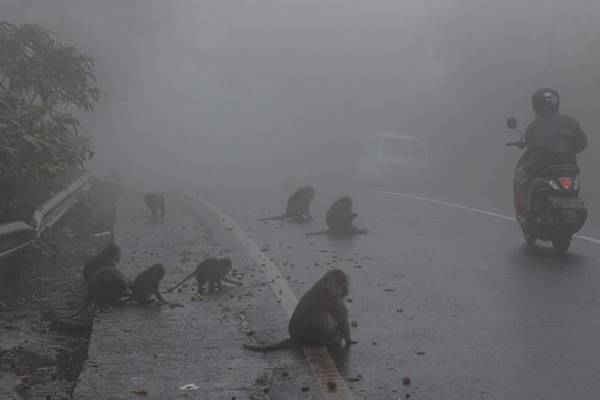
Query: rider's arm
[
  {"x": 528, "y": 137},
  {"x": 581, "y": 139}
]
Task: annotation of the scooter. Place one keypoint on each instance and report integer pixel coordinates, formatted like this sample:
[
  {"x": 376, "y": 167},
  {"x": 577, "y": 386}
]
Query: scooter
[{"x": 547, "y": 205}]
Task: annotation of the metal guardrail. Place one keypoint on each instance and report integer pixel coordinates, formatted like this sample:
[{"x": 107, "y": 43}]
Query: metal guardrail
[
  {"x": 17, "y": 235},
  {"x": 52, "y": 211},
  {"x": 14, "y": 236}
]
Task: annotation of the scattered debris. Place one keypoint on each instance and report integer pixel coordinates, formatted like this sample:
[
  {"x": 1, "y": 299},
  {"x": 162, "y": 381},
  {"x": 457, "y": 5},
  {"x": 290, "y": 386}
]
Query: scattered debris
[
  {"x": 264, "y": 379},
  {"x": 262, "y": 386},
  {"x": 102, "y": 234},
  {"x": 189, "y": 387}
]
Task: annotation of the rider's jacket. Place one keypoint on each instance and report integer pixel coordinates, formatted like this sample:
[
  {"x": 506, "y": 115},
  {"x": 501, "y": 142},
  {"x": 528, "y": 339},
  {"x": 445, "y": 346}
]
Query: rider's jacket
[
  {"x": 552, "y": 139},
  {"x": 556, "y": 134}
]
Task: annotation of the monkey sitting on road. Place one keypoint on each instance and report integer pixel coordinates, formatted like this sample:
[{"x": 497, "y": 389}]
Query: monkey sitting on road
[
  {"x": 156, "y": 204},
  {"x": 146, "y": 285},
  {"x": 212, "y": 270},
  {"x": 298, "y": 206},
  {"x": 106, "y": 285},
  {"x": 340, "y": 219},
  {"x": 320, "y": 318},
  {"x": 109, "y": 257}
]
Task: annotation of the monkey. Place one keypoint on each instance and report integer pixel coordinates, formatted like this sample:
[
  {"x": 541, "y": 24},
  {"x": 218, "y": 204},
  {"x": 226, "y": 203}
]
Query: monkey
[
  {"x": 340, "y": 216},
  {"x": 320, "y": 318},
  {"x": 212, "y": 270},
  {"x": 106, "y": 285},
  {"x": 298, "y": 206},
  {"x": 110, "y": 256},
  {"x": 155, "y": 201},
  {"x": 339, "y": 219},
  {"x": 146, "y": 285}
]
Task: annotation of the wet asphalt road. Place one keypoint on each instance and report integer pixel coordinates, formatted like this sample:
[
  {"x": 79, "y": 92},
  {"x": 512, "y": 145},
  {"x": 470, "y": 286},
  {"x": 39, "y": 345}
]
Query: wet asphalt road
[{"x": 447, "y": 297}]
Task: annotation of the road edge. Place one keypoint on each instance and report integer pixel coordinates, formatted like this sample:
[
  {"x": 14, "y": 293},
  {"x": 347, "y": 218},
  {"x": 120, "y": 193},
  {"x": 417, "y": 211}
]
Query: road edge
[{"x": 332, "y": 384}]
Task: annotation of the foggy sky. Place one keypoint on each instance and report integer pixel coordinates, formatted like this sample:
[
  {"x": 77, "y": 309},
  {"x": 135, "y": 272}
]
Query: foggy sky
[{"x": 224, "y": 82}]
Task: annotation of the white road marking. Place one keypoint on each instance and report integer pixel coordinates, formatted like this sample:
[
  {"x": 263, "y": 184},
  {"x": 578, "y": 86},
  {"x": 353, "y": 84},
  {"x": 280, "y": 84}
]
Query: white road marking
[
  {"x": 588, "y": 239},
  {"x": 474, "y": 210},
  {"x": 451, "y": 205},
  {"x": 318, "y": 358}
]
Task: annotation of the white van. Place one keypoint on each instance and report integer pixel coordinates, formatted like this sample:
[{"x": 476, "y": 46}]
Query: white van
[{"x": 389, "y": 156}]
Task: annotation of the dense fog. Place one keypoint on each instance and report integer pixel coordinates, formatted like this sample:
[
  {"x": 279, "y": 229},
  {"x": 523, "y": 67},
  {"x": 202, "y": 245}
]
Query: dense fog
[{"x": 200, "y": 89}]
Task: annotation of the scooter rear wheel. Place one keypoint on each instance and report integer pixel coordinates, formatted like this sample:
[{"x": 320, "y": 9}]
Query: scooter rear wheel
[
  {"x": 530, "y": 240},
  {"x": 561, "y": 245}
]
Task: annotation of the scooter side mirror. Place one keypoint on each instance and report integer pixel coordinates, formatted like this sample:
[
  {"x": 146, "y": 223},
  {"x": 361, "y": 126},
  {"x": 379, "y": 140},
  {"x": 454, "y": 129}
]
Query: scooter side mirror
[{"x": 511, "y": 123}]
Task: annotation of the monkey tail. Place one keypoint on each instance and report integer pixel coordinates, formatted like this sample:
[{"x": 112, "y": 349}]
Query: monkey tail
[
  {"x": 275, "y": 218},
  {"x": 284, "y": 344},
  {"x": 86, "y": 304},
  {"x": 182, "y": 282}
]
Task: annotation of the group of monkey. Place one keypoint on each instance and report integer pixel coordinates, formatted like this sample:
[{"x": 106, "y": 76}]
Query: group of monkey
[
  {"x": 107, "y": 286},
  {"x": 339, "y": 218},
  {"x": 320, "y": 317}
]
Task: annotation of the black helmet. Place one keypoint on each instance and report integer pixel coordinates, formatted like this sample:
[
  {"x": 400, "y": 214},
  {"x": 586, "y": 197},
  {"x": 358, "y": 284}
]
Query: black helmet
[{"x": 545, "y": 102}]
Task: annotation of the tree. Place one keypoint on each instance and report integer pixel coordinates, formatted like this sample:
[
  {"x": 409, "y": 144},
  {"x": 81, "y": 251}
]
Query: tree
[{"x": 42, "y": 83}]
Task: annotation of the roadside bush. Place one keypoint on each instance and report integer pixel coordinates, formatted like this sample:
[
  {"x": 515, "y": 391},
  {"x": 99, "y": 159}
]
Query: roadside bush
[{"x": 43, "y": 82}]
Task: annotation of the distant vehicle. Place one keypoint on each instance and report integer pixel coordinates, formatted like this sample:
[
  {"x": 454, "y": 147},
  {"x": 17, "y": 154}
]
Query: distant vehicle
[{"x": 389, "y": 157}]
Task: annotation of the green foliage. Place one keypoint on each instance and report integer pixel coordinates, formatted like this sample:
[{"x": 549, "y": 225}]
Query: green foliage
[{"x": 42, "y": 82}]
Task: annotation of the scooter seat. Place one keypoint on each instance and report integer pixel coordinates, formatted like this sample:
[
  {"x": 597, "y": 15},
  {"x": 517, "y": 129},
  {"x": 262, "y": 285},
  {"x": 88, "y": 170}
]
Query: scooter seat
[{"x": 559, "y": 170}]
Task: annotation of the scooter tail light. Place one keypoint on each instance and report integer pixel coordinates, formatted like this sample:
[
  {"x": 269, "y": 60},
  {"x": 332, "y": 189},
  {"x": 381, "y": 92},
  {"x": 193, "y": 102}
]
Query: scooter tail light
[
  {"x": 566, "y": 183},
  {"x": 553, "y": 184}
]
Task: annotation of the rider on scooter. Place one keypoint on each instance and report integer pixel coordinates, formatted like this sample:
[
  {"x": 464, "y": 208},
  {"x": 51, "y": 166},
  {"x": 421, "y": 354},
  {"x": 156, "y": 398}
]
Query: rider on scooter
[{"x": 551, "y": 138}]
